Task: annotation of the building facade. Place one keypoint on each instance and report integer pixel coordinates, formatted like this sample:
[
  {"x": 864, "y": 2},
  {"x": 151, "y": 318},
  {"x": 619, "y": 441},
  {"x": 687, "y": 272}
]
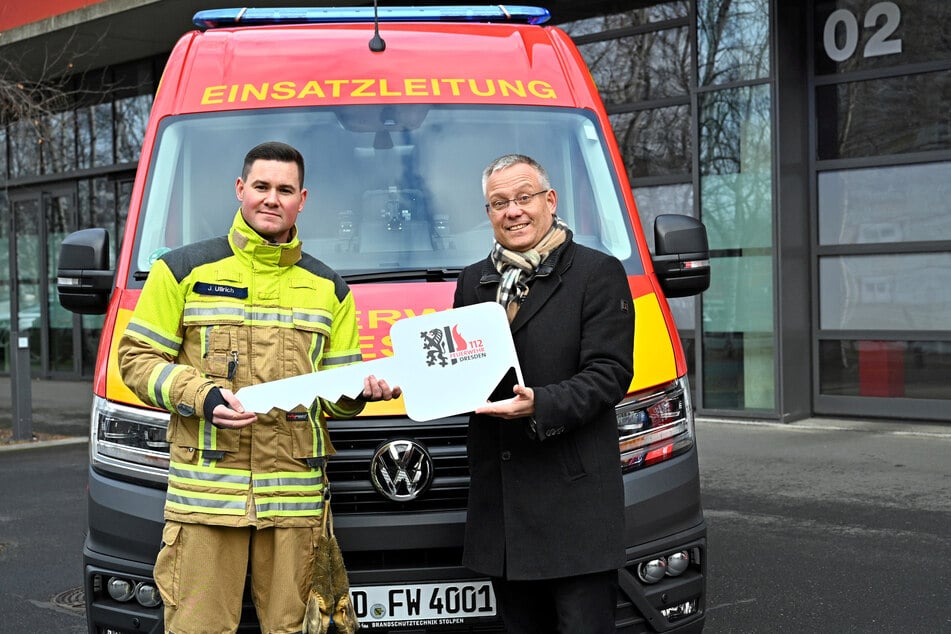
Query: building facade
[{"x": 812, "y": 138}]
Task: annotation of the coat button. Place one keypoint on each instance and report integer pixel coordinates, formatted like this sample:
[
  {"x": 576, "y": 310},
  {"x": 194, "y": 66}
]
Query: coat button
[{"x": 506, "y": 455}]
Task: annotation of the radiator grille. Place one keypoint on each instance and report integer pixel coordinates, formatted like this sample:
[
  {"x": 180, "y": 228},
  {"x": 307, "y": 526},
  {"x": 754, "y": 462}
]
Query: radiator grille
[{"x": 357, "y": 441}]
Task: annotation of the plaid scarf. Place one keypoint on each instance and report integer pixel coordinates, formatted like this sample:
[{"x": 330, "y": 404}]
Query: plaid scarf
[{"x": 518, "y": 268}]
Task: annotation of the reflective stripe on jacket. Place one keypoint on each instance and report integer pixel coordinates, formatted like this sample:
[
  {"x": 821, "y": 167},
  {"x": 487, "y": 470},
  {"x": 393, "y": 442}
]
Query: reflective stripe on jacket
[{"x": 232, "y": 312}]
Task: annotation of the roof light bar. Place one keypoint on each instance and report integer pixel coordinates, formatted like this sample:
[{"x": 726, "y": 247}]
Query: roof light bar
[{"x": 220, "y": 18}]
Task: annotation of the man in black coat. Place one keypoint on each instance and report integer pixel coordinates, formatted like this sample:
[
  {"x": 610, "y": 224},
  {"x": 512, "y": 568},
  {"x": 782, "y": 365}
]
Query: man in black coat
[{"x": 546, "y": 502}]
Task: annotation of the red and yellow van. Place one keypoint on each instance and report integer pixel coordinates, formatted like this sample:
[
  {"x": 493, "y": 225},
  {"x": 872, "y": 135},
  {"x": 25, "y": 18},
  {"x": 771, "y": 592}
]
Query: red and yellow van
[{"x": 395, "y": 130}]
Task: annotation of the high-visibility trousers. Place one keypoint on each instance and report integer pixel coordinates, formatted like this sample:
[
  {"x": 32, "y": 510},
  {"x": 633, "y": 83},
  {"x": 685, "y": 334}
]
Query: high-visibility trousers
[{"x": 201, "y": 572}]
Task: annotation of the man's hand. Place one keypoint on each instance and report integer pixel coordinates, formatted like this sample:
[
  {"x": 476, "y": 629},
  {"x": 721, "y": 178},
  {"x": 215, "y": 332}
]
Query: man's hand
[
  {"x": 231, "y": 415},
  {"x": 521, "y": 406},
  {"x": 375, "y": 389}
]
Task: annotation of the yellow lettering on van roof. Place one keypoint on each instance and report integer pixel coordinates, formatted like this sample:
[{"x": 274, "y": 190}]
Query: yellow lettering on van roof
[{"x": 368, "y": 88}]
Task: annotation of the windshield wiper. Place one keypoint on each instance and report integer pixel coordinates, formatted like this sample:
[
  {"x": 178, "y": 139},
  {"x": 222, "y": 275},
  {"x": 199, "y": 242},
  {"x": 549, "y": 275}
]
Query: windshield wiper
[{"x": 402, "y": 275}]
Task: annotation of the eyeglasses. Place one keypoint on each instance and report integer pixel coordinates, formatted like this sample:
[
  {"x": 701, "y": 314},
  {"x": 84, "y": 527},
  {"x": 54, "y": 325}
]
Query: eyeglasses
[{"x": 521, "y": 201}]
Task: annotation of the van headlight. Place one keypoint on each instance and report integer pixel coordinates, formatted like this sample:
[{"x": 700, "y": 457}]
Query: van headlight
[
  {"x": 655, "y": 425},
  {"x": 129, "y": 441}
]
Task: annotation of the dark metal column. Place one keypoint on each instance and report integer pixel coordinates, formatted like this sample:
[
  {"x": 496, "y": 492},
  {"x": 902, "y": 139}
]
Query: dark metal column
[{"x": 21, "y": 394}]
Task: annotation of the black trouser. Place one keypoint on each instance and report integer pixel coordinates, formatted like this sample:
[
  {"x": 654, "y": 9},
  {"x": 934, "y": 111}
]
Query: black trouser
[{"x": 584, "y": 604}]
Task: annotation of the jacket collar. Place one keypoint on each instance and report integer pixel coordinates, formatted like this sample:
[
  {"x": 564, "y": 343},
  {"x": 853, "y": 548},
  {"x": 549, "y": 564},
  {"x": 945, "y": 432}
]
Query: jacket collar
[
  {"x": 543, "y": 285},
  {"x": 490, "y": 274},
  {"x": 248, "y": 245}
]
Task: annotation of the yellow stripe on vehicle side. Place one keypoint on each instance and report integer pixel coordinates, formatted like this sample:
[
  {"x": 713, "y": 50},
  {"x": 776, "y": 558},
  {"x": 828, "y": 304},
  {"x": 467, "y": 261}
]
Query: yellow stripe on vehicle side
[
  {"x": 654, "y": 361},
  {"x": 116, "y": 390}
]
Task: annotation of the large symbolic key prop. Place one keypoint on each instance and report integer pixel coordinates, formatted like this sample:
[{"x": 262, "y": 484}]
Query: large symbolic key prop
[{"x": 446, "y": 363}]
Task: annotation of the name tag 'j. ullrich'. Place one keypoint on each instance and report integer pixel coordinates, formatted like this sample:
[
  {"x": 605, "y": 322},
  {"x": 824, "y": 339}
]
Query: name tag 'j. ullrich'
[{"x": 446, "y": 363}]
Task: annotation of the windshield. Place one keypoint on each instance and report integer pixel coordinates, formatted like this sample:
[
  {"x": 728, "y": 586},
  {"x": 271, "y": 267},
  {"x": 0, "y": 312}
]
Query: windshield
[{"x": 391, "y": 188}]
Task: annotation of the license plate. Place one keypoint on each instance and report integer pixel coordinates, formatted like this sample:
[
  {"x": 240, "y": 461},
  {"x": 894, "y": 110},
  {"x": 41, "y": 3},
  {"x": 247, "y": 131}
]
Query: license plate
[{"x": 423, "y": 604}]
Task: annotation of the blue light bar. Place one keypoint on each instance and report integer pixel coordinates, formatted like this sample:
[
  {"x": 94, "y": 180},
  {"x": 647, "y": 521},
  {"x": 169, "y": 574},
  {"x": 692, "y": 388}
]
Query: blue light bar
[{"x": 218, "y": 18}]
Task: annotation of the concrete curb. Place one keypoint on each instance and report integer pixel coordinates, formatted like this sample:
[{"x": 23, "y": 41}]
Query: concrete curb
[
  {"x": 926, "y": 429},
  {"x": 37, "y": 444}
]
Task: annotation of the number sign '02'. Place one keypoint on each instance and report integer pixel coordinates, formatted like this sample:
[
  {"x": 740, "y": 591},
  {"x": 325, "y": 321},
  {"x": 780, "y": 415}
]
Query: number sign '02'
[{"x": 880, "y": 43}]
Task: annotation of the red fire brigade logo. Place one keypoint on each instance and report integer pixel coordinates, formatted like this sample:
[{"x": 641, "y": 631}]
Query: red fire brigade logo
[{"x": 446, "y": 346}]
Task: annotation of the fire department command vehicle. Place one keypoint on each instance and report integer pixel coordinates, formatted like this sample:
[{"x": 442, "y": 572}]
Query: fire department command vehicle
[{"x": 395, "y": 132}]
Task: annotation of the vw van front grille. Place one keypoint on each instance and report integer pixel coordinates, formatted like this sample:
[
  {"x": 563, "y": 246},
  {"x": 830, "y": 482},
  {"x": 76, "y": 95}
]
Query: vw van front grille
[{"x": 357, "y": 442}]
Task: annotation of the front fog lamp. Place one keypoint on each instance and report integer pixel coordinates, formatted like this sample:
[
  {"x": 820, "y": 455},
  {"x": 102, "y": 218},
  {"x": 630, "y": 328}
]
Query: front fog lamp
[
  {"x": 120, "y": 589},
  {"x": 677, "y": 562},
  {"x": 147, "y": 595},
  {"x": 652, "y": 571}
]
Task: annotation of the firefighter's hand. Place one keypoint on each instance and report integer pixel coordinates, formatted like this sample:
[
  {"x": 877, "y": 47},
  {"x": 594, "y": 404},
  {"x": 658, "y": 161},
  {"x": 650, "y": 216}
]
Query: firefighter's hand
[
  {"x": 231, "y": 414},
  {"x": 519, "y": 407},
  {"x": 375, "y": 389}
]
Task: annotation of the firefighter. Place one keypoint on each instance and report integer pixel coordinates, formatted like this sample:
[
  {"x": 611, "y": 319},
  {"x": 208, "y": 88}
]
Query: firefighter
[{"x": 245, "y": 490}]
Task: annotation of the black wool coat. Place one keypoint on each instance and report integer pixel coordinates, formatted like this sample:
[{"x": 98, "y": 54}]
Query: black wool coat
[{"x": 546, "y": 500}]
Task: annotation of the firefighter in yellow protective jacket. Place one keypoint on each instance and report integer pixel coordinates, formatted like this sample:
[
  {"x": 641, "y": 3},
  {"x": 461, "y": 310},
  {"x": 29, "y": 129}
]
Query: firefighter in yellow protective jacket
[{"x": 245, "y": 490}]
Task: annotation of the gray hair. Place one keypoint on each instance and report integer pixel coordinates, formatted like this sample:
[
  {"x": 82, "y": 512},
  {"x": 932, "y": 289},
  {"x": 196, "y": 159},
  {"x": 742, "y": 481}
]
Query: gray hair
[{"x": 508, "y": 160}]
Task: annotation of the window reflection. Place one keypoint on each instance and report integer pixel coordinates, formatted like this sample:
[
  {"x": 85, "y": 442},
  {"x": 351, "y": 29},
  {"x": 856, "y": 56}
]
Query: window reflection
[
  {"x": 736, "y": 166},
  {"x": 640, "y": 68},
  {"x": 60, "y": 221},
  {"x": 59, "y": 145},
  {"x": 27, "y": 247},
  {"x": 908, "y": 369},
  {"x": 669, "y": 199},
  {"x": 24, "y": 149},
  {"x": 26, "y": 222},
  {"x": 132, "y": 115},
  {"x": 736, "y": 207},
  {"x": 885, "y": 292},
  {"x": 102, "y": 130},
  {"x": 858, "y": 119},
  {"x": 94, "y": 131},
  {"x": 633, "y": 18},
  {"x": 738, "y": 340},
  {"x": 5, "y": 301},
  {"x": 104, "y": 210},
  {"x": 654, "y": 142},
  {"x": 738, "y": 371},
  {"x": 3, "y": 154},
  {"x": 904, "y": 203},
  {"x": 84, "y": 137},
  {"x": 123, "y": 194},
  {"x": 732, "y": 40},
  {"x": 664, "y": 199}
]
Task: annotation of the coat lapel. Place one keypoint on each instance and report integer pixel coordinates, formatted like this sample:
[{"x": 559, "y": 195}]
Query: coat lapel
[
  {"x": 542, "y": 289},
  {"x": 488, "y": 284}
]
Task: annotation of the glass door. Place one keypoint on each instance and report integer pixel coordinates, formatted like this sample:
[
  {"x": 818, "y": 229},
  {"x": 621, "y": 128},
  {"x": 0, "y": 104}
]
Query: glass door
[
  {"x": 41, "y": 219},
  {"x": 60, "y": 214},
  {"x": 25, "y": 298}
]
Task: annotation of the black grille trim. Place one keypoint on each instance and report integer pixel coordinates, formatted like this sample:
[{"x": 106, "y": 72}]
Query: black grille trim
[{"x": 356, "y": 442}]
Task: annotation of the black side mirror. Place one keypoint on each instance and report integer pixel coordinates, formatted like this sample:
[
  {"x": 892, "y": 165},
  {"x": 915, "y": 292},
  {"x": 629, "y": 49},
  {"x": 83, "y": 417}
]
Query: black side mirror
[
  {"x": 682, "y": 256},
  {"x": 83, "y": 279}
]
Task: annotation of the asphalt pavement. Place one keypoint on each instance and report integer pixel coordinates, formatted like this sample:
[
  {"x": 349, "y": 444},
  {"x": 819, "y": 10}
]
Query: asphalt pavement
[{"x": 59, "y": 412}]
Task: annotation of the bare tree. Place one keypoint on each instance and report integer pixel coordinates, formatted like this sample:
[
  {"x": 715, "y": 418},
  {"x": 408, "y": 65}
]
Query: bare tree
[{"x": 33, "y": 104}]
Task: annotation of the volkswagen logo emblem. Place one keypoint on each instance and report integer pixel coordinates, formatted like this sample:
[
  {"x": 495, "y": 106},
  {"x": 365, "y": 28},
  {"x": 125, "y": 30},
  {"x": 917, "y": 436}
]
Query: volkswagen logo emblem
[{"x": 401, "y": 470}]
